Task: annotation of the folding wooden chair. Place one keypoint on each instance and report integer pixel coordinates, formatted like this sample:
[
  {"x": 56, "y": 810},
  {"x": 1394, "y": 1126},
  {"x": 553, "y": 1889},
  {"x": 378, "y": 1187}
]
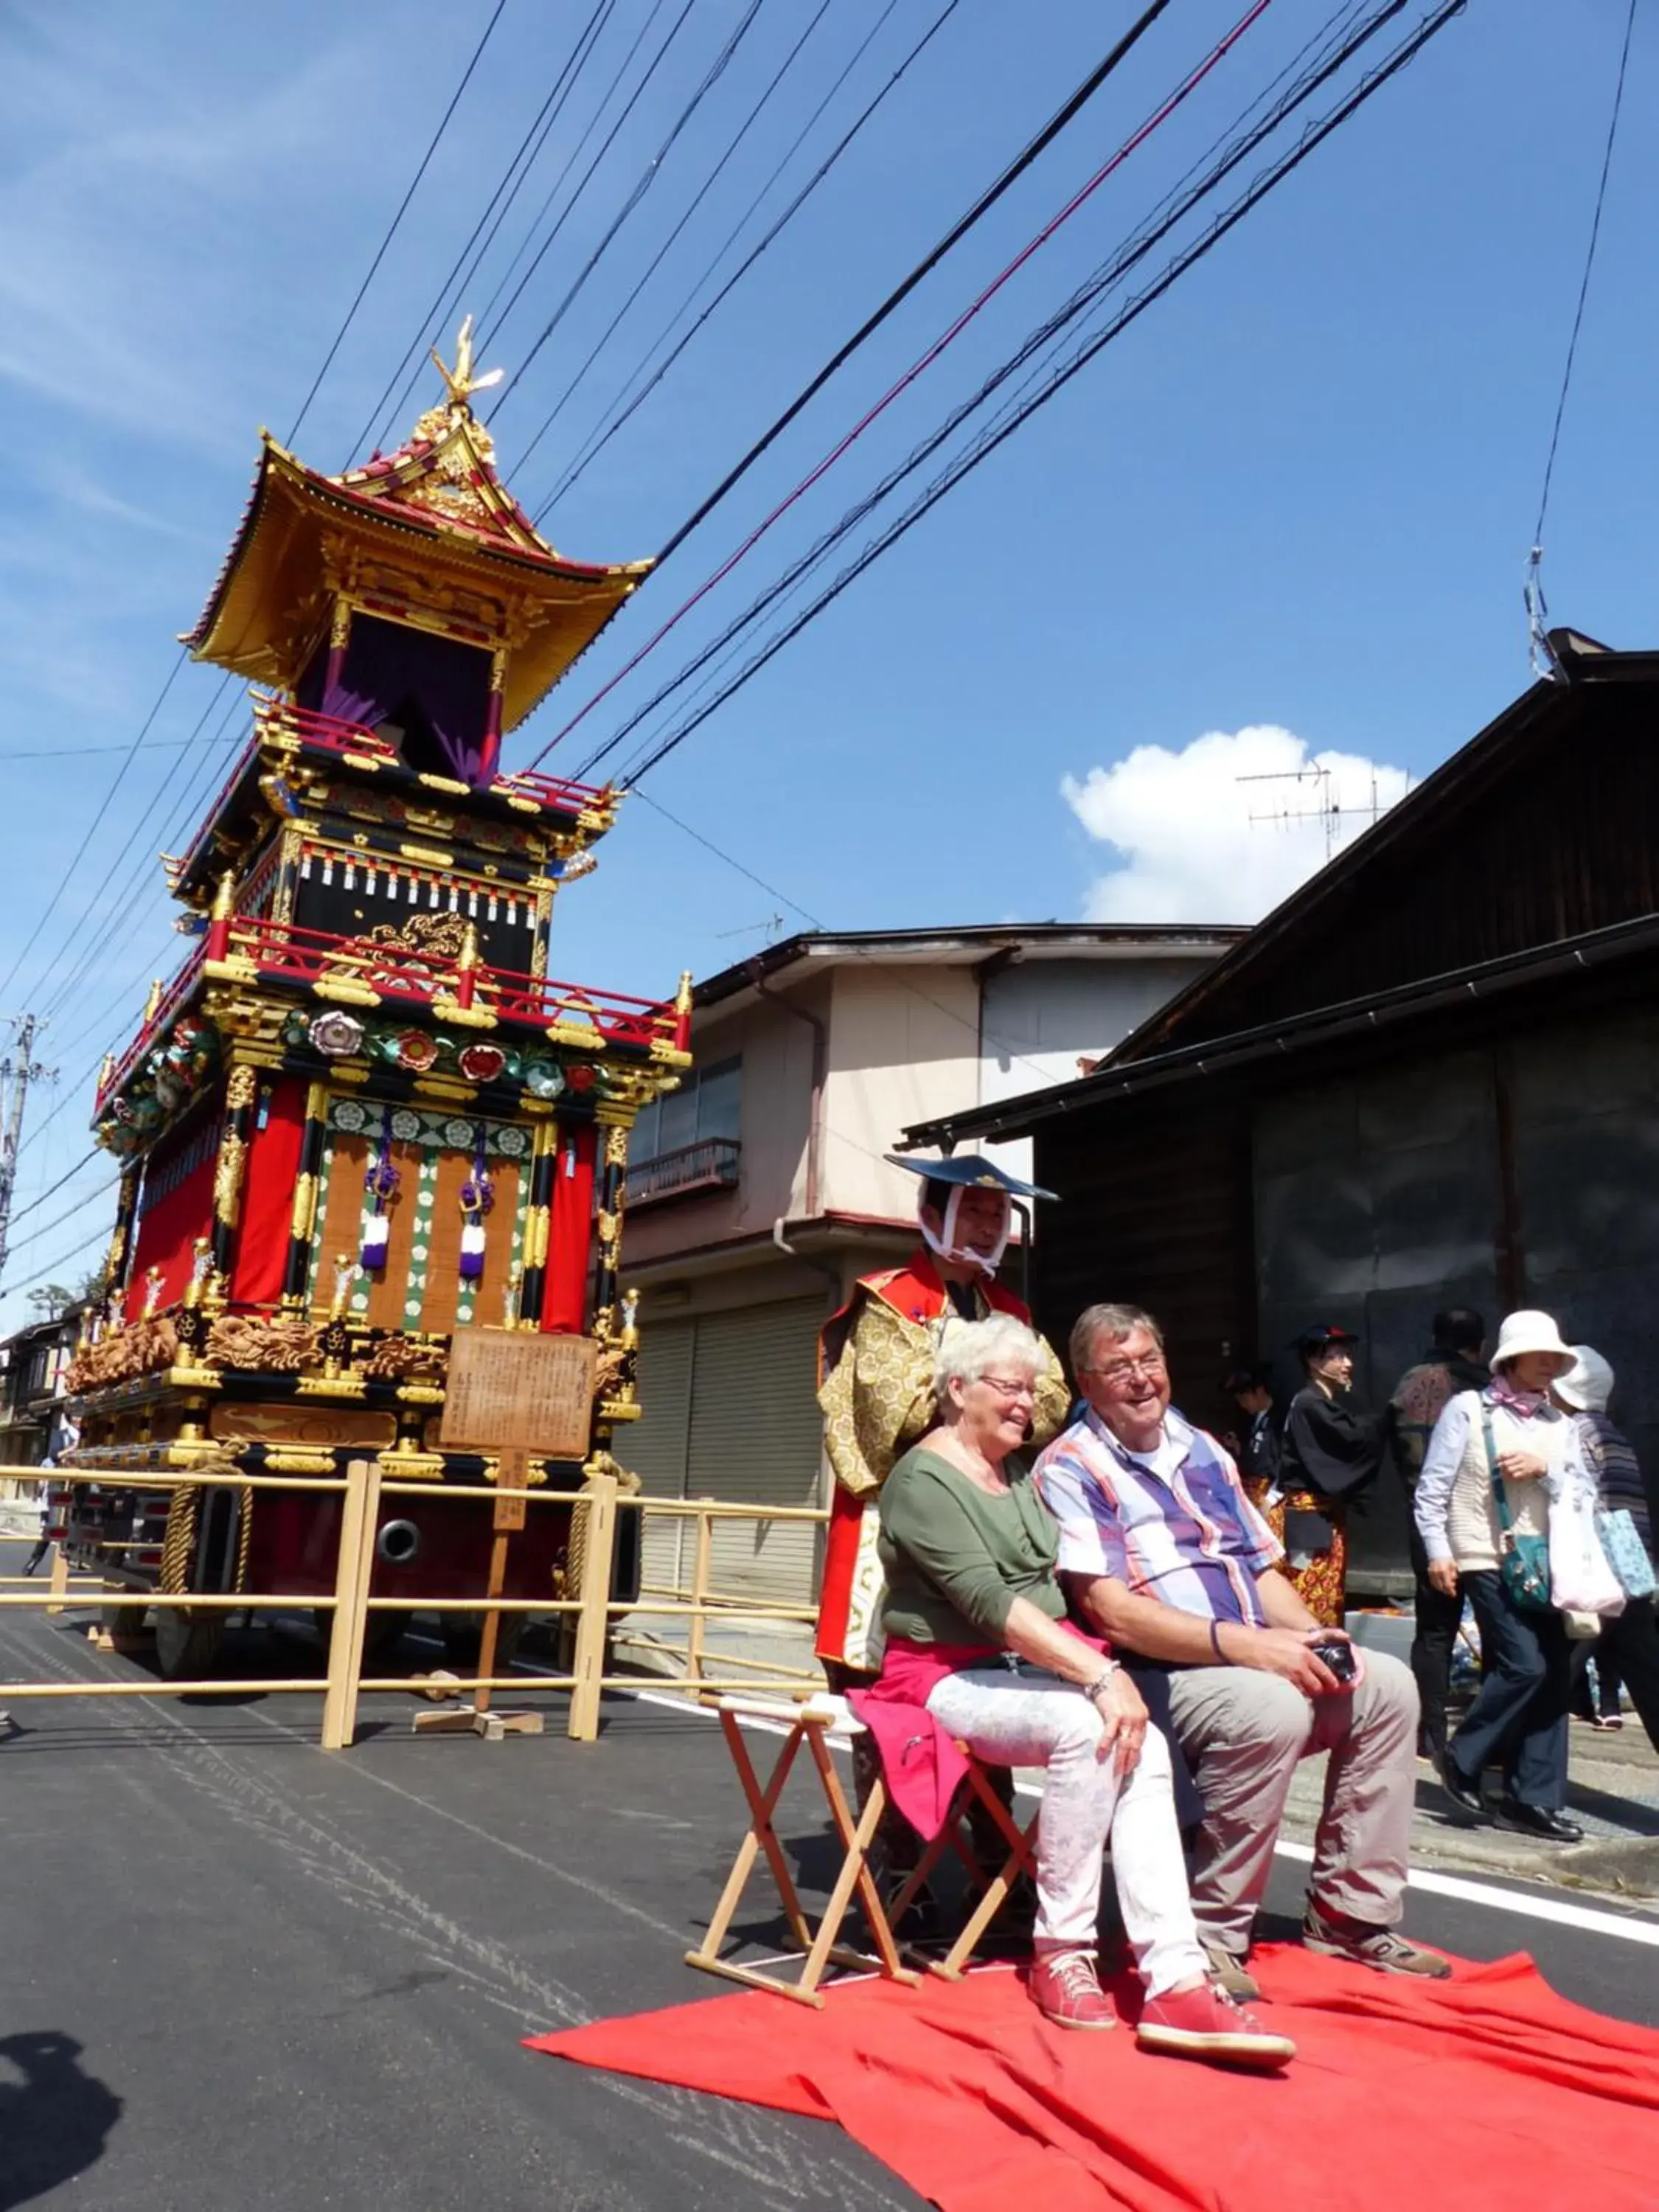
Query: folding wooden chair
[
  {"x": 806, "y": 1723},
  {"x": 975, "y": 1786}
]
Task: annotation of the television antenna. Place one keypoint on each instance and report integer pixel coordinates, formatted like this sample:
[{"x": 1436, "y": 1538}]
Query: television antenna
[{"x": 1327, "y": 808}]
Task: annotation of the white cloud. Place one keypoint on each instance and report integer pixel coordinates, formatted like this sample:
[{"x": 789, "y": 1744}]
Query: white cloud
[{"x": 1195, "y": 843}]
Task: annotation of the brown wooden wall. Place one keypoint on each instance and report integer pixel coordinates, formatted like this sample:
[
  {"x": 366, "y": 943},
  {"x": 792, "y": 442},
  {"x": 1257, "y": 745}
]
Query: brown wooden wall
[
  {"x": 1158, "y": 1217},
  {"x": 1545, "y": 837}
]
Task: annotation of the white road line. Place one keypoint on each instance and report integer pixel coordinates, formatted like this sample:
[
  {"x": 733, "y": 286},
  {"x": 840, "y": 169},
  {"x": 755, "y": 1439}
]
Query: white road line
[{"x": 1561, "y": 1910}]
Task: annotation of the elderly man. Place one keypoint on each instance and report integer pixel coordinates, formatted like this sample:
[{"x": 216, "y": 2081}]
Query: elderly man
[{"x": 1164, "y": 1555}]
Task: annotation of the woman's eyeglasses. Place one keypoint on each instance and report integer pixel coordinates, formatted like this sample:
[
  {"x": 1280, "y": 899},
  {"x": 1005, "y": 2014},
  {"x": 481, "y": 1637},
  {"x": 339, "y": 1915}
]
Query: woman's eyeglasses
[{"x": 1006, "y": 1387}]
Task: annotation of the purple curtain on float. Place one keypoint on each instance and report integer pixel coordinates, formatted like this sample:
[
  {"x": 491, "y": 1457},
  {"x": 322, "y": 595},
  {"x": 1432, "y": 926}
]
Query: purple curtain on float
[{"x": 437, "y": 690}]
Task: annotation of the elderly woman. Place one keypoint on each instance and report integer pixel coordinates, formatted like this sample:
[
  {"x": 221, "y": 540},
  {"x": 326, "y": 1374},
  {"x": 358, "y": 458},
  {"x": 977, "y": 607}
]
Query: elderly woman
[
  {"x": 976, "y": 1635},
  {"x": 1629, "y": 1641},
  {"x": 1487, "y": 1474}
]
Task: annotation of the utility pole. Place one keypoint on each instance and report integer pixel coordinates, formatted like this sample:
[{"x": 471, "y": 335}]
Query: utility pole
[{"x": 18, "y": 1068}]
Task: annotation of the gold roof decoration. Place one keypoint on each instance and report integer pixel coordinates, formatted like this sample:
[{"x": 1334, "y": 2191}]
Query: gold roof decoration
[{"x": 428, "y": 534}]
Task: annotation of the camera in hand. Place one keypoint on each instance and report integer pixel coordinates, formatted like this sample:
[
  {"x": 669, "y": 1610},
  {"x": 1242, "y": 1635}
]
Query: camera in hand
[{"x": 1336, "y": 1653}]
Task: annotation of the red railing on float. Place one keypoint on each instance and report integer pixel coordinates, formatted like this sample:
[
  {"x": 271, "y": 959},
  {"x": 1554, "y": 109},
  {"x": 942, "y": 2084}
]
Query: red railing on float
[
  {"x": 283, "y": 953},
  {"x": 166, "y": 1006}
]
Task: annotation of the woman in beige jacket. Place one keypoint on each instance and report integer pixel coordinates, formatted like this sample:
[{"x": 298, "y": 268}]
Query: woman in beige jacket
[{"x": 1510, "y": 1434}]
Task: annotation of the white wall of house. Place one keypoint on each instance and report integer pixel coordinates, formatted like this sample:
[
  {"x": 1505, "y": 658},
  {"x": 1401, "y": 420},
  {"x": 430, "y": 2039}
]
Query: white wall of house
[
  {"x": 1039, "y": 1018},
  {"x": 903, "y": 1045}
]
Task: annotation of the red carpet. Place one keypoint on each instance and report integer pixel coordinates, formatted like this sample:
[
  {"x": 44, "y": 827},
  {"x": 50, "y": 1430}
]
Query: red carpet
[{"x": 1487, "y": 2090}]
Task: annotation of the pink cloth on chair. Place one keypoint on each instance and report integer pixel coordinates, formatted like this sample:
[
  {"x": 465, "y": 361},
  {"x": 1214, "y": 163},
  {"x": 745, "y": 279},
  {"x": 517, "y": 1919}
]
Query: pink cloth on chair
[{"x": 920, "y": 1760}]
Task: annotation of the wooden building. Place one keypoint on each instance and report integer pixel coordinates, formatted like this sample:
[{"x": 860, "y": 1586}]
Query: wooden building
[{"x": 1430, "y": 1077}]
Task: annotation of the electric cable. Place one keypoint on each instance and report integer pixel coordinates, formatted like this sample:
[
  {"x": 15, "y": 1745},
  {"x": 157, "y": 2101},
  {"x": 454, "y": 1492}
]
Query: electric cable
[
  {"x": 1543, "y": 656},
  {"x": 80, "y": 853},
  {"x": 981, "y": 450},
  {"x": 134, "y": 835},
  {"x": 926, "y": 360},
  {"x": 392, "y": 228},
  {"x": 620, "y": 413},
  {"x": 489, "y": 322},
  {"x": 68, "y": 1175},
  {"x": 44, "y": 1274},
  {"x": 1330, "y": 50},
  {"x": 646, "y": 178},
  {"x": 686, "y": 214},
  {"x": 982, "y": 207},
  {"x": 21, "y": 1243},
  {"x": 529, "y": 151}
]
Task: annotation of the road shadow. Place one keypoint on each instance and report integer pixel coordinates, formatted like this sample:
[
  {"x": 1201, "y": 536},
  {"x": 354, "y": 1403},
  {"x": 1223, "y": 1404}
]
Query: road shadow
[{"x": 56, "y": 2122}]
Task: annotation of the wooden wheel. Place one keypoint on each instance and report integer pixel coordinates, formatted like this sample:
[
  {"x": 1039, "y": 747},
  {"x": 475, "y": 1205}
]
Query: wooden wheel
[
  {"x": 382, "y": 1634},
  {"x": 123, "y": 1619},
  {"x": 463, "y": 1635},
  {"x": 186, "y": 1644}
]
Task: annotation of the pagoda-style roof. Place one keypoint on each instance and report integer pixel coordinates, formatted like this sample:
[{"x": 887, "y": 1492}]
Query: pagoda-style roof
[{"x": 430, "y": 530}]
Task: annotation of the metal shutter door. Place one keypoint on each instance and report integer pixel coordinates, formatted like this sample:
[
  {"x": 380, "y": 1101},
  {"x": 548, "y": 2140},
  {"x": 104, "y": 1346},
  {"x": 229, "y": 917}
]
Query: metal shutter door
[
  {"x": 755, "y": 1433},
  {"x": 653, "y": 1447}
]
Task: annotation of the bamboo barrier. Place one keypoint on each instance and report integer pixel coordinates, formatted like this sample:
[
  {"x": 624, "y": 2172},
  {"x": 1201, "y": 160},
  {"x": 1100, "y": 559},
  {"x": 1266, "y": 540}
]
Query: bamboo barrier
[{"x": 363, "y": 1488}]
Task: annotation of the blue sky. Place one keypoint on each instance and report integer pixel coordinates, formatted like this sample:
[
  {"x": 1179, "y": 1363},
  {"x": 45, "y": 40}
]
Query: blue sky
[{"x": 1285, "y": 516}]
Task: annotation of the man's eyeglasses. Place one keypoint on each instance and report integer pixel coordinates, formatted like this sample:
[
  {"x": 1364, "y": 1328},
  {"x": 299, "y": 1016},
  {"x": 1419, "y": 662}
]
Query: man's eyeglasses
[
  {"x": 1151, "y": 1369},
  {"x": 1006, "y": 1387}
]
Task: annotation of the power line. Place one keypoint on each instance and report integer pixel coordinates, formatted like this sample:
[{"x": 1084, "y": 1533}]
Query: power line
[
  {"x": 946, "y": 338},
  {"x": 53, "y": 902},
  {"x": 89, "y": 753},
  {"x": 1542, "y": 654},
  {"x": 540, "y": 129},
  {"x": 489, "y": 329},
  {"x": 990, "y": 440},
  {"x": 1330, "y": 52},
  {"x": 686, "y": 214},
  {"x": 34, "y": 1236},
  {"x": 68, "y": 1175},
  {"x": 646, "y": 178},
  {"x": 981, "y": 208},
  {"x": 46, "y": 1272},
  {"x": 392, "y": 230},
  {"x": 595, "y": 443}
]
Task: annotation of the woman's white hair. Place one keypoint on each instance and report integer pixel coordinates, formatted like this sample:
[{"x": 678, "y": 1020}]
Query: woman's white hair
[{"x": 970, "y": 1349}]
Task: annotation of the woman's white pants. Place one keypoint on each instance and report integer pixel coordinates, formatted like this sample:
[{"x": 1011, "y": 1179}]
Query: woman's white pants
[{"x": 1032, "y": 1718}]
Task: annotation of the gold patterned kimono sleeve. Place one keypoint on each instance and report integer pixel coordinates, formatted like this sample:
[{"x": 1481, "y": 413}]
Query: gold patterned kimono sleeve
[
  {"x": 878, "y": 1398},
  {"x": 1053, "y": 1399}
]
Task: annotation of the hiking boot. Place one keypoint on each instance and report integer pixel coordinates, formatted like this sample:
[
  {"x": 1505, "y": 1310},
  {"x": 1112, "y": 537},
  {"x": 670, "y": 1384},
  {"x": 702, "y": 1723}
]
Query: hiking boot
[
  {"x": 1065, "y": 1988},
  {"x": 1206, "y": 2023},
  {"x": 1227, "y": 1972},
  {"x": 1367, "y": 1946}
]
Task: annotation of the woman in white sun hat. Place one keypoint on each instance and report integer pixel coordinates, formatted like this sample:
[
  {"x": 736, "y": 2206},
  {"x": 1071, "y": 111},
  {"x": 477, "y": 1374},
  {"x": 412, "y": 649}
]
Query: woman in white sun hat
[
  {"x": 1629, "y": 1640},
  {"x": 1490, "y": 1464}
]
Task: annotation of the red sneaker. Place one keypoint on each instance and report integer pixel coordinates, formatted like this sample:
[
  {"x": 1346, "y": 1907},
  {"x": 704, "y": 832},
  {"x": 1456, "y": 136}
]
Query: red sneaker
[
  {"x": 1065, "y": 1988},
  {"x": 1206, "y": 2023}
]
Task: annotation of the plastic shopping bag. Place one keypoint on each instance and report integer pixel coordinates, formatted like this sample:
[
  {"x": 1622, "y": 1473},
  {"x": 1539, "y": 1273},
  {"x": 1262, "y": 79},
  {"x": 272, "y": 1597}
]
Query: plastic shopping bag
[{"x": 1581, "y": 1581}]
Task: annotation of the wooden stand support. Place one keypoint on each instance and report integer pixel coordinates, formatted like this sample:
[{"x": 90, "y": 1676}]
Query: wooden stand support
[
  {"x": 808, "y": 1725},
  {"x": 477, "y": 1719},
  {"x": 1021, "y": 1859}
]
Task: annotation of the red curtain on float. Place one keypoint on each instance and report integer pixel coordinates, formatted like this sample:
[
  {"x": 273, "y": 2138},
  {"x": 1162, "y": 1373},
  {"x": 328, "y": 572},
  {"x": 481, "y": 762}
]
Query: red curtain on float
[
  {"x": 175, "y": 1206},
  {"x": 570, "y": 1234},
  {"x": 273, "y": 1166}
]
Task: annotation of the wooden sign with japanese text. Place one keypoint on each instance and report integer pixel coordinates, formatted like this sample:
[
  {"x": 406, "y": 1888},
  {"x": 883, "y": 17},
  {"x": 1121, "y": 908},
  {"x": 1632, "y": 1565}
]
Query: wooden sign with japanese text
[{"x": 510, "y": 1391}]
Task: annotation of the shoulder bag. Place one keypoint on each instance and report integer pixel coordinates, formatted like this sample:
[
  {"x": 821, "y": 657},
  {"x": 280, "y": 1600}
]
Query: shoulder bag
[{"x": 1523, "y": 1561}]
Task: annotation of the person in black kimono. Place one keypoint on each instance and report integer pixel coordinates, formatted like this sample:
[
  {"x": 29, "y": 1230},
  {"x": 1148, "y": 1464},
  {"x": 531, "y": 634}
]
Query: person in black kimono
[
  {"x": 1258, "y": 1454},
  {"x": 1332, "y": 1451}
]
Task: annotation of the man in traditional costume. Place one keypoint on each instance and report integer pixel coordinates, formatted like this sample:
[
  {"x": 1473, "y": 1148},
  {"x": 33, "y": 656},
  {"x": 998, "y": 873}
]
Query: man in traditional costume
[{"x": 876, "y": 1380}]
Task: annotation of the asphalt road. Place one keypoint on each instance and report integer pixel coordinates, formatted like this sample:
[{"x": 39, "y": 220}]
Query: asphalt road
[{"x": 242, "y": 1974}]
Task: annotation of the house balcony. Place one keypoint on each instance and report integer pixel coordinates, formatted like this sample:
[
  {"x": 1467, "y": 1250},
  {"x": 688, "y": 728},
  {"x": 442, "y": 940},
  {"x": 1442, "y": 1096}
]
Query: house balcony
[{"x": 712, "y": 1163}]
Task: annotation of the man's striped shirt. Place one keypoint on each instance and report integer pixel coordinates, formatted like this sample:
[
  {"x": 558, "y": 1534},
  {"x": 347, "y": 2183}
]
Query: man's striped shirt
[{"x": 1174, "y": 1524}]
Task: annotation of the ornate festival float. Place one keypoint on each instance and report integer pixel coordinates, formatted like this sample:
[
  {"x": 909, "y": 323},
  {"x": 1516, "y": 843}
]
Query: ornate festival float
[{"x": 363, "y": 1131}]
